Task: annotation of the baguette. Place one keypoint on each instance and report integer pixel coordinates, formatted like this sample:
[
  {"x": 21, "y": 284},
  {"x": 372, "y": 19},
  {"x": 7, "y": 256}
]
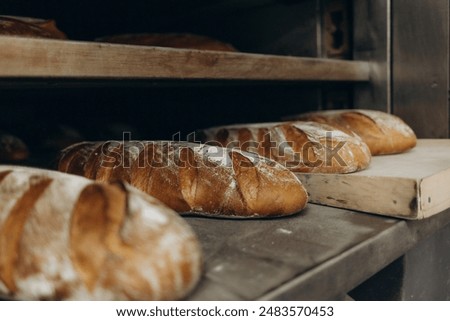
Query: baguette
[
  {"x": 300, "y": 146},
  {"x": 192, "y": 178},
  {"x": 171, "y": 40},
  {"x": 384, "y": 133},
  {"x": 30, "y": 27},
  {"x": 66, "y": 237}
]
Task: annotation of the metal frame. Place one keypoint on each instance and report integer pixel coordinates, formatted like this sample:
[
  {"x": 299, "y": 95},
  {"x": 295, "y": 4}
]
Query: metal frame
[
  {"x": 420, "y": 33},
  {"x": 371, "y": 42},
  {"x": 408, "y": 45}
]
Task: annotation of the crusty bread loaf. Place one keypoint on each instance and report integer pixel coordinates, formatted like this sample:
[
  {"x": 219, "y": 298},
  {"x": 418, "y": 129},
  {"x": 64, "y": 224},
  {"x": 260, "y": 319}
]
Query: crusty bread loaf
[
  {"x": 196, "y": 178},
  {"x": 300, "y": 146},
  {"x": 67, "y": 237},
  {"x": 171, "y": 40},
  {"x": 30, "y": 27},
  {"x": 382, "y": 132},
  {"x": 12, "y": 148}
]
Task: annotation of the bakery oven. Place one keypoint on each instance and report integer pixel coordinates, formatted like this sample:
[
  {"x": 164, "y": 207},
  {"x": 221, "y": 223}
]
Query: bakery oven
[
  {"x": 399, "y": 50},
  {"x": 292, "y": 56}
]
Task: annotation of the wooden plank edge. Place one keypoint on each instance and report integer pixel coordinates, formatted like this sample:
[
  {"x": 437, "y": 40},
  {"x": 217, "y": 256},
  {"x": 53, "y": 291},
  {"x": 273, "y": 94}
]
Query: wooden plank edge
[
  {"x": 26, "y": 57},
  {"x": 398, "y": 199},
  {"x": 434, "y": 194}
]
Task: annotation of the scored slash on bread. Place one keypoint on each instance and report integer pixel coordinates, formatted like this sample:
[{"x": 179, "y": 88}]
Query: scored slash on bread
[
  {"x": 67, "y": 237},
  {"x": 192, "y": 178},
  {"x": 384, "y": 133},
  {"x": 300, "y": 146}
]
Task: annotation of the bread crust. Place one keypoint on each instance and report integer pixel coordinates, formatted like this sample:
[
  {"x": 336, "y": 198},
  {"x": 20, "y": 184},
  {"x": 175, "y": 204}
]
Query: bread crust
[
  {"x": 300, "y": 146},
  {"x": 192, "y": 178},
  {"x": 30, "y": 27},
  {"x": 12, "y": 148},
  {"x": 384, "y": 133},
  {"x": 66, "y": 237},
  {"x": 171, "y": 40}
]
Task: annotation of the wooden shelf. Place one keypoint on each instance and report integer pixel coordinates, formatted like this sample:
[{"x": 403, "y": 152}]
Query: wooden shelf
[
  {"x": 412, "y": 185},
  {"x": 41, "y": 58}
]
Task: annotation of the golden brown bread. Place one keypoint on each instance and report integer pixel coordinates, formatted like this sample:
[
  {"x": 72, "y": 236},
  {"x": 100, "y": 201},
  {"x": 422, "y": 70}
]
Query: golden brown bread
[
  {"x": 300, "y": 146},
  {"x": 382, "y": 132},
  {"x": 67, "y": 237},
  {"x": 12, "y": 148},
  {"x": 30, "y": 27},
  {"x": 171, "y": 40},
  {"x": 188, "y": 177}
]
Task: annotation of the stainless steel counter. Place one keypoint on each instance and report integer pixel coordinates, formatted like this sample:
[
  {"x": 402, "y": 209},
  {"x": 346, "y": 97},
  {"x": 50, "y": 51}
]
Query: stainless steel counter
[{"x": 319, "y": 254}]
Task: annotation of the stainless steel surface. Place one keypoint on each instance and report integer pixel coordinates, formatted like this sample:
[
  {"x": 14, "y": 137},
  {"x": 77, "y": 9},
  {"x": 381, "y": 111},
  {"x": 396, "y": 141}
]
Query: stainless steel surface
[
  {"x": 319, "y": 254},
  {"x": 428, "y": 281},
  {"x": 371, "y": 42},
  {"x": 407, "y": 43},
  {"x": 423, "y": 273},
  {"x": 421, "y": 65}
]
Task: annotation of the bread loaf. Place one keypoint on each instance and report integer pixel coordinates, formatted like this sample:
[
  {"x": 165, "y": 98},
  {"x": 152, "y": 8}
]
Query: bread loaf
[
  {"x": 67, "y": 237},
  {"x": 171, "y": 40},
  {"x": 300, "y": 146},
  {"x": 382, "y": 132},
  {"x": 12, "y": 148},
  {"x": 192, "y": 178},
  {"x": 30, "y": 27}
]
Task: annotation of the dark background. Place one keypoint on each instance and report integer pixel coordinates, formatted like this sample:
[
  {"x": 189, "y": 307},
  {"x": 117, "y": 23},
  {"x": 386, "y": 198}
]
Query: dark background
[{"x": 36, "y": 110}]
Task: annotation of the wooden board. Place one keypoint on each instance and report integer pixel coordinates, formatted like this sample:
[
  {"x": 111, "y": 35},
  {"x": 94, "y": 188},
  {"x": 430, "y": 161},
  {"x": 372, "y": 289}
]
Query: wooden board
[
  {"x": 412, "y": 185},
  {"x": 30, "y": 58}
]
